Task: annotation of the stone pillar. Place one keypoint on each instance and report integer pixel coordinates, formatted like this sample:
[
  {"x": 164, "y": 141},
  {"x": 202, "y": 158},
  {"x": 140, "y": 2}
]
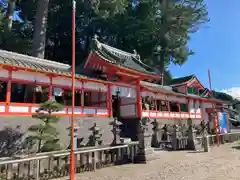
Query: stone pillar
[
  {"x": 206, "y": 146},
  {"x": 144, "y": 137},
  {"x": 205, "y": 137},
  {"x": 174, "y": 137},
  {"x": 191, "y": 143},
  {"x": 116, "y": 131},
  {"x": 156, "y": 136},
  {"x": 76, "y": 139},
  {"x": 95, "y": 137}
]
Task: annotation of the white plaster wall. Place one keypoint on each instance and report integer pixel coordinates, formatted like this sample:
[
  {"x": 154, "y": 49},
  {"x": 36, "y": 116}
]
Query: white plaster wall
[
  {"x": 95, "y": 86},
  {"x": 191, "y": 106},
  {"x": 34, "y": 77},
  {"x": 129, "y": 92},
  {"x": 197, "y": 107},
  {"x": 125, "y": 100},
  {"x": 2, "y": 108},
  {"x": 3, "y": 73},
  {"x": 65, "y": 82}
]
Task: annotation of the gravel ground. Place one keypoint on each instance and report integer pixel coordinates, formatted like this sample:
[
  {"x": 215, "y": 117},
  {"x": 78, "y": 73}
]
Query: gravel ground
[{"x": 220, "y": 164}]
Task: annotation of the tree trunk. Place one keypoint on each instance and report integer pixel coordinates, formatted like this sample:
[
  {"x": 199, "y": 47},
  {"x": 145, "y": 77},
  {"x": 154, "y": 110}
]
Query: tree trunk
[
  {"x": 40, "y": 28},
  {"x": 9, "y": 15},
  {"x": 163, "y": 40}
]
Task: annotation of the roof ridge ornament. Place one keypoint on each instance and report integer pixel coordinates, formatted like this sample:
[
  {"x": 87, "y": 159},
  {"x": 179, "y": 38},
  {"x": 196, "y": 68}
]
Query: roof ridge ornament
[
  {"x": 136, "y": 55},
  {"x": 96, "y": 42},
  {"x": 95, "y": 37}
]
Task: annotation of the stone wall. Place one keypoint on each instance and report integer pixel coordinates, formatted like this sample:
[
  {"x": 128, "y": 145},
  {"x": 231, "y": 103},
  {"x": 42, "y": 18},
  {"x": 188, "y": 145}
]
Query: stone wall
[{"x": 12, "y": 125}]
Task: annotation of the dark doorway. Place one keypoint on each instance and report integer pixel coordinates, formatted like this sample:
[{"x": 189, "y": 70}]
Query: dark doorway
[{"x": 116, "y": 106}]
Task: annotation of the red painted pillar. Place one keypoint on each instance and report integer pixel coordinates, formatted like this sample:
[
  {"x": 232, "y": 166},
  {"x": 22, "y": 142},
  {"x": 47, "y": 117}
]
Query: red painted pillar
[
  {"x": 82, "y": 97},
  {"x": 9, "y": 87},
  {"x": 139, "y": 98},
  {"x": 216, "y": 126},
  {"x": 155, "y": 104},
  {"x": 169, "y": 108},
  {"x": 109, "y": 100},
  {"x": 179, "y": 108},
  {"x": 50, "y": 89},
  {"x": 201, "y": 109}
]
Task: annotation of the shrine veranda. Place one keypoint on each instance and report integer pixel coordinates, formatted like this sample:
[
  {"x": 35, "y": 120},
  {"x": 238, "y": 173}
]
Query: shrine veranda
[{"x": 111, "y": 83}]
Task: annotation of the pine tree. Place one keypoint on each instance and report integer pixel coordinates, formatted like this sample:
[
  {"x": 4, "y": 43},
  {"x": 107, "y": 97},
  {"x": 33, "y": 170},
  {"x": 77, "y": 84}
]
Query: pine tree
[{"x": 45, "y": 134}]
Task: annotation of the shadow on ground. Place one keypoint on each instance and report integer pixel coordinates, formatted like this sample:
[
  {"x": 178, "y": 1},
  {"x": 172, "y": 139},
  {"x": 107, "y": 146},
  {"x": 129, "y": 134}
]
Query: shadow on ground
[{"x": 236, "y": 147}]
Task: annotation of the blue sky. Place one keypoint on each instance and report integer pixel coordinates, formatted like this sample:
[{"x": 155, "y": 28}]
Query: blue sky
[{"x": 217, "y": 46}]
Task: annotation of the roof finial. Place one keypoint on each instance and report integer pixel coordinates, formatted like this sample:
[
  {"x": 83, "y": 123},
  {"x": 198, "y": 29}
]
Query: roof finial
[
  {"x": 95, "y": 37},
  {"x": 134, "y": 52},
  {"x": 137, "y": 56}
]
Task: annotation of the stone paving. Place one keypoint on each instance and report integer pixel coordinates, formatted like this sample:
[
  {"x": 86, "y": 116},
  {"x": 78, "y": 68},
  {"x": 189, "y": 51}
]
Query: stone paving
[{"x": 220, "y": 164}]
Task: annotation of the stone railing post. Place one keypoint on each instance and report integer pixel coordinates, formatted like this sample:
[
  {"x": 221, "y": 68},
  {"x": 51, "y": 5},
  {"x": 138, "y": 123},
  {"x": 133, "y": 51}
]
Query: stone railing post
[
  {"x": 191, "y": 143},
  {"x": 36, "y": 167},
  {"x": 94, "y": 160},
  {"x": 206, "y": 145},
  {"x": 144, "y": 138},
  {"x": 205, "y": 137},
  {"x": 116, "y": 131},
  {"x": 174, "y": 137},
  {"x": 156, "y": 136}
]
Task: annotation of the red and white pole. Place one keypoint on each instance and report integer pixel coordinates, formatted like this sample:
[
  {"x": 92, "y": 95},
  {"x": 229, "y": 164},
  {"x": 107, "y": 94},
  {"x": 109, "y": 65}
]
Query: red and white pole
[
  {"x": 210, "y": 82},
  {"x": 72, "y": 157},
  {"x": 215, "y": 117}
]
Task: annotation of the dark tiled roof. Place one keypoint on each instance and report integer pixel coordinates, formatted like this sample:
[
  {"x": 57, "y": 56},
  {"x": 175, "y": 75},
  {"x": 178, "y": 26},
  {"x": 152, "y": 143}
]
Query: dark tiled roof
[
  {"x": 121, "y": 58},
  {"x": 181, "y": 80},
  {"x": 160, "y": 89},
  {"x": 24, "y": 61},
  {"x": 164, "y": 90}
]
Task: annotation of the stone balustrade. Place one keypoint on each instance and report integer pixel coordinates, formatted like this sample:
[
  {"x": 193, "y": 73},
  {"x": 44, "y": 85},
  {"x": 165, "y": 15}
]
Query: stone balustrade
[{"x": 56, "y": 164}]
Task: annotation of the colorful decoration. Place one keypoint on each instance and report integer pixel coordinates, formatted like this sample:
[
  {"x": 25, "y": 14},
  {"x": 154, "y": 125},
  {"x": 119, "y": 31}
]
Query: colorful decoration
[
  {"x": 223, "y": 122},
  {"x": 16, "y": 17}
]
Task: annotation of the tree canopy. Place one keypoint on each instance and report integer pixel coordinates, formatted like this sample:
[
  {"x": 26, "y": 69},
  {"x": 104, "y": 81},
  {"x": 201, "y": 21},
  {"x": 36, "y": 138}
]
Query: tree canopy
[{"x": 125, "y": 24}]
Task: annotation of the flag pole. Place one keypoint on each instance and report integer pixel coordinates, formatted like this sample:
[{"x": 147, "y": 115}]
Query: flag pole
[
  {"x": 210, "y": 82},
  {"x": 72, "y": 157},
  {"x": 216, "y": 120}
]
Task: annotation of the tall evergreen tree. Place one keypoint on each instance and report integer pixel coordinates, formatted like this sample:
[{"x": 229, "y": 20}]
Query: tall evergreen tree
[
  {"x": 40, "y": 28},
  {"x": 175, "y": 20},
  {"x": 147, "y": 25},
  {"x": 100, "y": 8}
]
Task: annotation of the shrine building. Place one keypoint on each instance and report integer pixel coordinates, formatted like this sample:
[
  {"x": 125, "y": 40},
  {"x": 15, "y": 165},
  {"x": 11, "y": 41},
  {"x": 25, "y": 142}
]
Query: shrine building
[{"x": 110, "y": 83}]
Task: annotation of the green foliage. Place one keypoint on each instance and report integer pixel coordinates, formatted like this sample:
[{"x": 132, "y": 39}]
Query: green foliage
[
  {"x": 222, "y": 96},
  {"x": 45, "y": 133},
  {"x": 228, "y": 98},
  {"x": 171, "y": 24},
  {"x": 150, "y": 24}
]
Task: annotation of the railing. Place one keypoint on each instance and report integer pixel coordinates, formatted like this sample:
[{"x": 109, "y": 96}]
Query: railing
[
  {"x": 223, "y": 138},
  {"x": 55, "y": 165},
  {"x": 167, "y": 114},
  {"x": 28, "y": 109}
]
